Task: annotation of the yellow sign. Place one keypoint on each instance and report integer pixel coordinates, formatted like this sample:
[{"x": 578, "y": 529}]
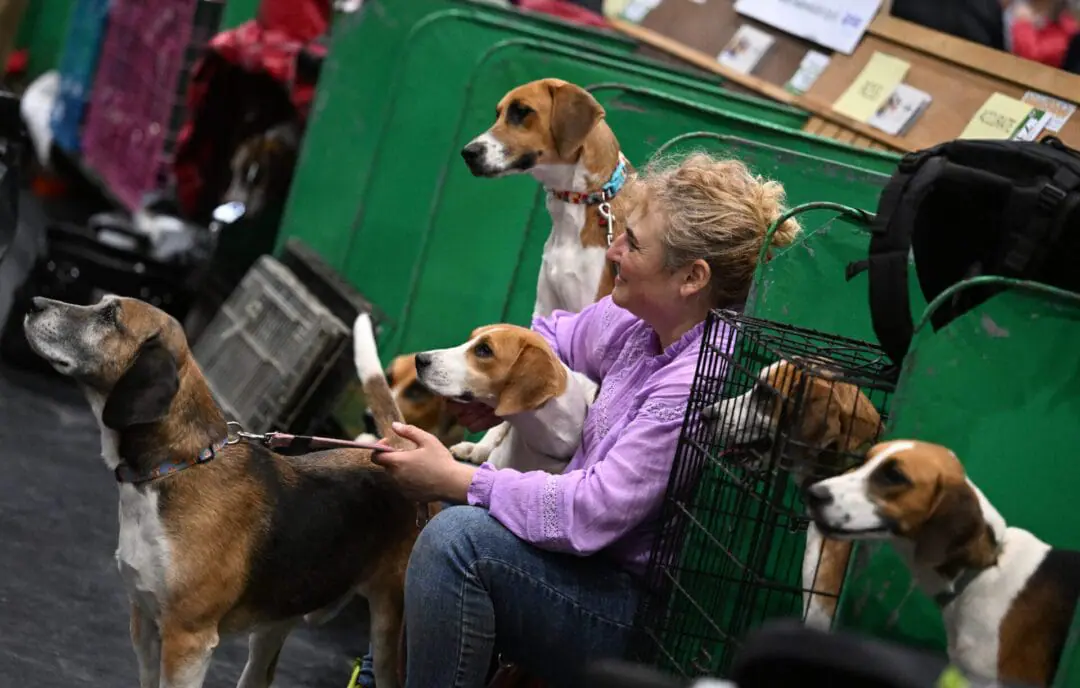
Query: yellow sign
[
  {"x": 875, "y": 83},
  {"x": 998, "y": 118}
]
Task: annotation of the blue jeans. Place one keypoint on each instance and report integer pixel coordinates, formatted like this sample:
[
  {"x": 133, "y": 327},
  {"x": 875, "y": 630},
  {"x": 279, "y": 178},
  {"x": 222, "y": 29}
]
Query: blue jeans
[{"x": 473, "y": 588}]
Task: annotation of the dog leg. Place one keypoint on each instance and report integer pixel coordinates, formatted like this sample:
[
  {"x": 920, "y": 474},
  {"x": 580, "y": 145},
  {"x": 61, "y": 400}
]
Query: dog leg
[
  {"x": 264, "y": 648},
  {"x": 825, "y": 564},
  {"x": 185, "y": 655},
  {"x": 386, "y": 618},
  {"x": 478, "y": 452},
  {"x": 147, "y": 644}
]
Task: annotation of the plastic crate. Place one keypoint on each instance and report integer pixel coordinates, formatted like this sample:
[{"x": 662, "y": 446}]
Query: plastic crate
[
  {"x": 269, "y": 346},
  {"x": 82, "y": 46},
  {"x": 142, "y": 67}
]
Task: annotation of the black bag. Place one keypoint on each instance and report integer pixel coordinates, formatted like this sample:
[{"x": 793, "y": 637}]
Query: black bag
[{"x": 968, "y": 208}]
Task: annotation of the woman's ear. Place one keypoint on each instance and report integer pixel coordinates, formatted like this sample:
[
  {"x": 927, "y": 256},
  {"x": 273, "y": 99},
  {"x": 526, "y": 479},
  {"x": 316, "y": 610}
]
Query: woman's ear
[{"x": 696, "y": 278}]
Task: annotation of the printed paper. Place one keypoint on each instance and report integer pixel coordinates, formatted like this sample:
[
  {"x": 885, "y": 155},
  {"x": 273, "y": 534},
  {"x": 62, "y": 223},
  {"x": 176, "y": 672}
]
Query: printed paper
[
  {"x": 900, "y": 110},
  {"x": 811, "y": 67},
  {"x": 872, "y": 87},
  {"x": 999, "y": 118},
  {"x": 835, "y": 24},
  {"x": 1059, "y": 110},
  {"x": 745, "y": 49}
]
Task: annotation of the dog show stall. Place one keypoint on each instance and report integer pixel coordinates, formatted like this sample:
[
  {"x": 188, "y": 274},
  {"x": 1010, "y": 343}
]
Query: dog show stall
[
  {"x": 383, "y": 216},
  {"x": 416, "y": 244}
]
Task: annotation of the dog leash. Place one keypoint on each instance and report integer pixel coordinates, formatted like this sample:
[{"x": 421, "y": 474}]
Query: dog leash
[
  {"x": 304, "y": 443},
  {"x": 308, "y": 443}
]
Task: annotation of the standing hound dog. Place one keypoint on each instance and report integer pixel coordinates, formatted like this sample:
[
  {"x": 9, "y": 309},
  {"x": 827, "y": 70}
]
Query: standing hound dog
[
  {"x": 420, "y": 407},
  {"x": 835, "y": 421},
  {"x": 513, "y": 370},
  {"x": 220, "y": 535},
  {"x": 1007, "y": 598},
  {"x": 555, "y": 131}
]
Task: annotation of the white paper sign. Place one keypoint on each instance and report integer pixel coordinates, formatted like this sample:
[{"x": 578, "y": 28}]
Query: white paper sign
[{"x": 836, "y": 24}]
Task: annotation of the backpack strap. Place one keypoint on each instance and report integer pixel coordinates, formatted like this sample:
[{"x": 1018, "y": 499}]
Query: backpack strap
[
  {"x": 890, "y": 246},
  {"x": 1036, "y": 216}
]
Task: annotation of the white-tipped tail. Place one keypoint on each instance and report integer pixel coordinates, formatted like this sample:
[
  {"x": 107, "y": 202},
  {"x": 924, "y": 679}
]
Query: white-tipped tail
[{"x": 365, "y": 351}]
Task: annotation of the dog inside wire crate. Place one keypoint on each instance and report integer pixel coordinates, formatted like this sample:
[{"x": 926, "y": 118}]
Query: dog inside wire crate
[{"x": 773, "y": 408}]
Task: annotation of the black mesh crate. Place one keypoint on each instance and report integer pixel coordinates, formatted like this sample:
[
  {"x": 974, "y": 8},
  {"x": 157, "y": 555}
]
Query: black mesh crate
[{"x": 772, "y": 409}]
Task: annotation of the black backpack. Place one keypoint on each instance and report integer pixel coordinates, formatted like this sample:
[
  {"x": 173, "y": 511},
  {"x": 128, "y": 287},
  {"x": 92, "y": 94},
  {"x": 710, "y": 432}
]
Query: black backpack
[{"x": 969, "y": 208}]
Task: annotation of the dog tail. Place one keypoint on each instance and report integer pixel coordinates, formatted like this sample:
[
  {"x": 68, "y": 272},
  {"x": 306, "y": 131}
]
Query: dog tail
[{"x": 380, "y": 399}]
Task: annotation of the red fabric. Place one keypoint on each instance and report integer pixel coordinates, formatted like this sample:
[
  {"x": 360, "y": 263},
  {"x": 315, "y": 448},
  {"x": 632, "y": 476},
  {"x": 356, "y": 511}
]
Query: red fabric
[
  {"x": 1045, "y": 43},
  {"x": 17, "y": 62},
  {"x": 565, "y": 10},
  {"x": 303, "y": 20},
  {"x": 270, "y": 45}
]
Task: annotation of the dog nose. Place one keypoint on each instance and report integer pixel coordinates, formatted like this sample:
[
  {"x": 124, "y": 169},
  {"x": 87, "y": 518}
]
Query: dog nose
[
  {"x": 423, "y": 361},
  {"x": 472, "y": 152},
  {"x": 39, "y": 304},
  {"x": 818, "y": 496}
]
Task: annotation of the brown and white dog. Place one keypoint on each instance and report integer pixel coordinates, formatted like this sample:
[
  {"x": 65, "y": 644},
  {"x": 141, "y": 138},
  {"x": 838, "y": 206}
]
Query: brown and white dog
[
  {"x": 262, "y": 167},
  {"x": 219, "y": 536},
  {"x": 513, "y": 370},
  {"x": 835, "y": 421},
  {"x": 555, "y": 131},
  {"x": 1007, "y": 598}
]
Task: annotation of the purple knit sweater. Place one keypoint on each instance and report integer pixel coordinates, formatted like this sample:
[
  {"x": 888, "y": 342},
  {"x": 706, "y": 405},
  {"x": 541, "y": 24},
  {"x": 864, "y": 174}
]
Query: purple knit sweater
[{"x": 610, "y": 494}]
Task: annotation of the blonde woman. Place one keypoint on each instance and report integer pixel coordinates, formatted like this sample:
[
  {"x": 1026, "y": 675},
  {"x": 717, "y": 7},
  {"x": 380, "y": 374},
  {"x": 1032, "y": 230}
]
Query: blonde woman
[{"x": 545, "y": 569}]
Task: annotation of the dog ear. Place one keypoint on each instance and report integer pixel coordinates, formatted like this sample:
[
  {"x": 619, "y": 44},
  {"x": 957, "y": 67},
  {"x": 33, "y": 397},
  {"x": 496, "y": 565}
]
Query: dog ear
[
  {"x": 574, "y": 112},
  {"x": 954, "y": 530},
  {"x": 144, "y": 393},
  {"x": 533, "y": 380}
]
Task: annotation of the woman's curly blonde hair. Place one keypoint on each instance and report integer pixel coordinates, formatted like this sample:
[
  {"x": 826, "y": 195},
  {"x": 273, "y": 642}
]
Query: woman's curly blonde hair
[{"x": 716, "y": 210}]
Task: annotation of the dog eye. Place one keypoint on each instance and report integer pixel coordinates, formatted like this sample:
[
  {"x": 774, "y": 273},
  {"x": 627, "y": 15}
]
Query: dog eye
[
  {"x": 890, "y": 475},
  {"x": 517, "y": 113},
  {"x": 482, "y": 350}
]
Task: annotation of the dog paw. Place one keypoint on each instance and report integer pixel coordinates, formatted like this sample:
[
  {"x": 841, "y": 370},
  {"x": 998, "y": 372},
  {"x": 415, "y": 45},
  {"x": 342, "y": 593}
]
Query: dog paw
[{"x": 469, "y": 452}]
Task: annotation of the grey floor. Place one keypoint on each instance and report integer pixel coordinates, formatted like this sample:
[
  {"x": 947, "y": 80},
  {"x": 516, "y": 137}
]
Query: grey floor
[{"x": 63, "y": 615}]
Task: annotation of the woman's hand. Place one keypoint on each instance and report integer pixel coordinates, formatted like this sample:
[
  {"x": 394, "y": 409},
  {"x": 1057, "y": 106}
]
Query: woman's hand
[
  {"x": 428, "y": 473},
  {"x": 475, "y": 416}
]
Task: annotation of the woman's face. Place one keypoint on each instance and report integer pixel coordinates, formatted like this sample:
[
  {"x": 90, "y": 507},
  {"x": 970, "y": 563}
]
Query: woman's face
[{"x": 644, "y": 285}]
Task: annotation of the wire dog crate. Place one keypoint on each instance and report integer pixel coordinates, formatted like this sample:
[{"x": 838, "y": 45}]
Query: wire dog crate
[
  {"x": 779, "y": 409},
  {"x": 270, "y": 345}
]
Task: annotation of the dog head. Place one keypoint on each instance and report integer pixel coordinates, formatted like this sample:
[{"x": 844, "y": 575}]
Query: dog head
[
  {"x": 510, "y": 368},
  {"x": 120, "y": 349},
  {"x": 543, "y": 122},
  {"x": 915, "y": 491},
  {"x": 828, "y": 418},
  {"x": 262, "y": 167}
]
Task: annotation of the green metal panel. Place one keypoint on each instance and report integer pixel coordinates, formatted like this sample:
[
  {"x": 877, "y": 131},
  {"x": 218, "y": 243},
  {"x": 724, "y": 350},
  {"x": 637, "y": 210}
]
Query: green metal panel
[
  {"x": 632, "y": 108},
  {"x": 357, "y": 90},
  {"x": 237, "y": 12},
  {"x": 42, "y": 31},
  {"x": 806, "y": 284},
  {"x": 1000, "y": 387}
]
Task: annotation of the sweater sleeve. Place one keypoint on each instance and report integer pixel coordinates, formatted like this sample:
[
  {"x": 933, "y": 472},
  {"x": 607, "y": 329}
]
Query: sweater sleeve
[
  {"x": 578, "y": 338},
  {"x": 583, "y": 511},
  {"x": 1047, "y": 46}
]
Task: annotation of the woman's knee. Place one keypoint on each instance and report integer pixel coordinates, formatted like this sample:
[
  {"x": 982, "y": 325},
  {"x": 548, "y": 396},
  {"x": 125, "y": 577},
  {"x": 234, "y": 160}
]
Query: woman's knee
[{"x": 451, "y": 538}]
